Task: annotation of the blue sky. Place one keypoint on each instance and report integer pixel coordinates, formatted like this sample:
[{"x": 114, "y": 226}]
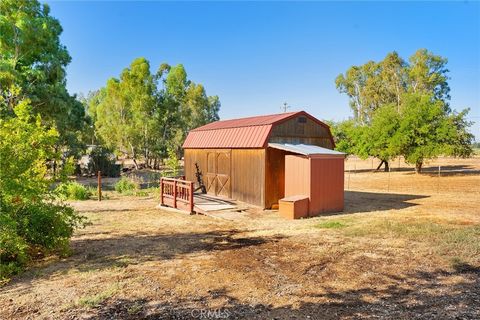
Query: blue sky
[{"x": 257, "y": 55}]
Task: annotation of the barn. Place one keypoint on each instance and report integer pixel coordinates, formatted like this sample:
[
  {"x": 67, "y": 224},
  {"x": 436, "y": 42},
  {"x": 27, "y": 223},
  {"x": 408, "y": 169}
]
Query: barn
[{"x": 260, "y": 160}]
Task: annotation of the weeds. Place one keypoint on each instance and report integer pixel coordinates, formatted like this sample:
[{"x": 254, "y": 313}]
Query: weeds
[
  {"x": 93, "y": 301},
  {"x": 73, "y": 191},
  {"x": 331, "y": 225}
]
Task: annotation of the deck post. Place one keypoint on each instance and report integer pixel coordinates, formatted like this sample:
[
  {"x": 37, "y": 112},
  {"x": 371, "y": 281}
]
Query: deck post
[
  {"x": 191, "y": 197},
  {"x": 175, "y": 194},
  {"x": 161, "y": 191}
]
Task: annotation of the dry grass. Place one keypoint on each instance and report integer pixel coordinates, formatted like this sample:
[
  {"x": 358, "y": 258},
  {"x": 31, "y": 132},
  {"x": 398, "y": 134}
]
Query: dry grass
[{"x": 406, "y": 246}]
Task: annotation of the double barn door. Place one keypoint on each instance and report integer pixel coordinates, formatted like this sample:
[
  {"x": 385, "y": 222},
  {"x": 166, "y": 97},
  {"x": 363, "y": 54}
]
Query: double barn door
[{"x": 218, "y": 176}]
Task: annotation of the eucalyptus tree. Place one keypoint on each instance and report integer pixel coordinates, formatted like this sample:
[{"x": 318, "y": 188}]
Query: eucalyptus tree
[
  {"x": 386, "y": 97},
  {"x": 32, "y": 66}
]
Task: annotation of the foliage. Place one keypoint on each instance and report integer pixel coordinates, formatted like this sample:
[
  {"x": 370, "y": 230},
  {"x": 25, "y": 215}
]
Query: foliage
[
  {"x": 102, "y": 159},
  {"x": 32, "y": 66},
  {"x": 376, "y": 139},
  {"x": 126, "y": 185},
  {"x": 375, "y": 84},
  {"x": 24, "y": 145},
  {"x": 402, "y": 108},
  {"x": 32, "y": 219},
  {"x": 141, "y": 113},
  {"x": 73, "y": 191},
  {"x": 29, "y": 220},
  {"x": 343, "y": 135},
  {"x": 172, "y": 162},
  {"x": 425, "y": 131}
]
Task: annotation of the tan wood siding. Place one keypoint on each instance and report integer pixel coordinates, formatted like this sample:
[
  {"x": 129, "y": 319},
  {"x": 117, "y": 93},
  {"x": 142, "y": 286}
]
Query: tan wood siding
[
  {"x": 248, "y": 176},
  {"x": 247, "y": 172},
  {"x": 296, "y": 131},
  {"x": 275, "y": 176},
  {"x": 190, "y": 157}
]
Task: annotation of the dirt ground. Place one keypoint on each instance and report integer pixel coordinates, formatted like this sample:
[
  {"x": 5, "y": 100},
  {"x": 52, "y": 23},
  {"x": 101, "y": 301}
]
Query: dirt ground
[{"x": 406, "y": 246}]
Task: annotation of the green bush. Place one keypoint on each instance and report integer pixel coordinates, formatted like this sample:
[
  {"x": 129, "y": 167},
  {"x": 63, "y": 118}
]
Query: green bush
[
  {"x": 33, "y": 225},
  {"x": 29, "y": 220},
  {"x": 47, "y": 225},
  {"x": 126, "y": 185},
  {"x": 12, "y": 247},
  {"x": 73, "y": 191}
]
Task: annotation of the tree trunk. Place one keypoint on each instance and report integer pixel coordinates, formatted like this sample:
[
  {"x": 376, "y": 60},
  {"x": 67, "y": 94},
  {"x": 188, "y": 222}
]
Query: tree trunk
[
  {"x": 379, "y": 166},
  {"x": 387, "y": 167},
  {"x": 134, "y": 157},
  {"x": 418, "y": 167}
]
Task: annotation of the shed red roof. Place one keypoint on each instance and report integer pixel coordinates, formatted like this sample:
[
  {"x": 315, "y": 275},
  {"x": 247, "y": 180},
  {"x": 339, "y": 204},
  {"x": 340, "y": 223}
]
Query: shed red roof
[{"x": 251, "y": 132}]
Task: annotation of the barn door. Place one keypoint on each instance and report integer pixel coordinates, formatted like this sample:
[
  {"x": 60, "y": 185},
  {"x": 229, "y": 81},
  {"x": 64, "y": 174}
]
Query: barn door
[
  {"x": 211, "y": 183},
  {"x": 218, "y": 180},
  {"x": 223, "y": 174}
]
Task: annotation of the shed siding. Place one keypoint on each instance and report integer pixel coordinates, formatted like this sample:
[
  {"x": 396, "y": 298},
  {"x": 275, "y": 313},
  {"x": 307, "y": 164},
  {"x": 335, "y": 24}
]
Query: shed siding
[
  {"x": 275, "y": 176},
  {"x": 297, "y": 175},
  {"x": 191, "y": 156},
  {"x": 294, "y": 132},
  {"x": 321, "y": 179},
  {"x": 327, "y": 185},
  {"x": 248, "y": 176}
]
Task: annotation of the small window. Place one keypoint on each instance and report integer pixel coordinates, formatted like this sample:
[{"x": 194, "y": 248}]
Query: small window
[{"x": 302, "y": 120}]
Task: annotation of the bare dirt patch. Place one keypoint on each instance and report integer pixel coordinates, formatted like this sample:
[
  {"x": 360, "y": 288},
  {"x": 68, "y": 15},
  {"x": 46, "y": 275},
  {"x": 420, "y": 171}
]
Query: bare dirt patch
[{"x": 406, "y": 246}]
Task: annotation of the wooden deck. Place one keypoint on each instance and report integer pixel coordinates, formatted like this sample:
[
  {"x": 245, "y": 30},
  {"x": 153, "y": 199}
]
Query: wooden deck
[{"x": 205, "y": 203}]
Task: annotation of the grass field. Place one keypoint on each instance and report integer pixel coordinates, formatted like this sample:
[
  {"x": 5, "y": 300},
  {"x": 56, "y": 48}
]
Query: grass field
[{"x": 406, "y": 246}]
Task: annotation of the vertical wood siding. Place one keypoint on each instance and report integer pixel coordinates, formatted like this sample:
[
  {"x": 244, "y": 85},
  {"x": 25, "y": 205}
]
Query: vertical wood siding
[
  {"x": 295, "y": 132},
  {"x": 327, "y": 178},
  {"x": 248, "y": 176},
  {"x": 247, "y": 171},
  {"x": 321, "y": 179}
]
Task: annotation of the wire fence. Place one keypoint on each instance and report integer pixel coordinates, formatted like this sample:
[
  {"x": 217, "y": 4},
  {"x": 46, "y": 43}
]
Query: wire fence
[{"x": 401, "y": 177}]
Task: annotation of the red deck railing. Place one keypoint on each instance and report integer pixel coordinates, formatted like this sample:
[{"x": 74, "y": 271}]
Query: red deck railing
[{"x": 176, "y": 193}]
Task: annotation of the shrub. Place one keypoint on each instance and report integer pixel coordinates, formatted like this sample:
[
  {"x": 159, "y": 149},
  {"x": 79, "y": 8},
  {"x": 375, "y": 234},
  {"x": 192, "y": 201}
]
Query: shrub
[
  {"x": 28, "y": 218},
  {"x": 126, "y": 185},
  {"x": 47, "y": 225},
  {"x": 73, "y": 191},
  {"x": 12, "y": 247}
]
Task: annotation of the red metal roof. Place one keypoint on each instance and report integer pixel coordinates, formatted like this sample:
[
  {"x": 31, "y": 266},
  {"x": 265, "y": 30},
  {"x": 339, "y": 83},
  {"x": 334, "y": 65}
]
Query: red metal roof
[
  {"x": 247, "y": 122},
  {"x": 251, "y": 132}
]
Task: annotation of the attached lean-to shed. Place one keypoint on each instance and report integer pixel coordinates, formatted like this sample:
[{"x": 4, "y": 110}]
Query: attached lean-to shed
[{"x": 245, "y": 159}]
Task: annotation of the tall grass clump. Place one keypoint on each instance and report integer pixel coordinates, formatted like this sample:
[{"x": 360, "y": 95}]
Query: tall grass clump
[
  {"x": 73, "y": 191},
  {"x": 126, "y": 185}
]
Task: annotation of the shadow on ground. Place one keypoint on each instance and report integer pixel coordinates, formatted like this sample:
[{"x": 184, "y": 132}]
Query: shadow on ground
[
  {"x": 419, "y": 295},
  {"x": 120, "y": 251},
  {"x": 357, "y": 201}
]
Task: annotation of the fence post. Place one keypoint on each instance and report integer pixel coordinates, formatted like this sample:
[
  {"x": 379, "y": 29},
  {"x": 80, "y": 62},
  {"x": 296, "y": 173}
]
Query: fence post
[
  {"x": 175, "y": 194},
  {"x": 161, "y": 191},
  {"x": 191, "y": 197},
  {"x": 99, "y": 187}
]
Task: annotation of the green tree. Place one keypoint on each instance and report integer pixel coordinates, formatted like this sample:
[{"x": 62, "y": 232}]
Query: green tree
[
  {"x": 143, "y": 114},
  {"x": 375, "y": 139},
  {"x": 378, "y": 94},
  {"x": 24, "y": 145},
  {"x": 29, "y": 218},
  {"x": 426, "y": 131},
  {"x": 32, "y": 66}
]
